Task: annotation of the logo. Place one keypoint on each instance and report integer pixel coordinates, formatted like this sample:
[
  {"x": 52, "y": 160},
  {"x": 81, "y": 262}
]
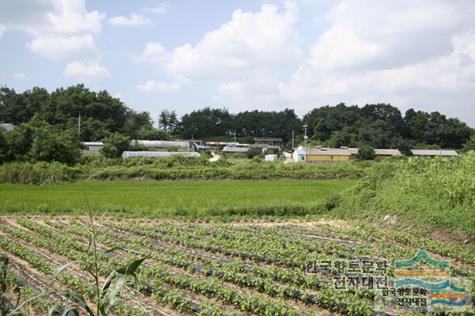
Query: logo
[{"x": 425, "y": 284}]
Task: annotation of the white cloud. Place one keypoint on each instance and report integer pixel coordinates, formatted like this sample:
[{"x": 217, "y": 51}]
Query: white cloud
[
  {"x": 133, "y": 19},
  {"x": 153, "y": 52},
  {"x": 161, "y": 8},
  {"x": 85, "y": 70},
  {"x": 60, "y": 47},
  {"x": 409, "y": 53},
  {"x": 54, "y": 24},
  {"x": 20, "y": 76},
  {"x": 159, "y": 86},
  {"x": 249, "y": 41},
  {"x": 3, "y": 30},
  {"x": 71, "y": 17},
  {"x": 245, "y": 54}
]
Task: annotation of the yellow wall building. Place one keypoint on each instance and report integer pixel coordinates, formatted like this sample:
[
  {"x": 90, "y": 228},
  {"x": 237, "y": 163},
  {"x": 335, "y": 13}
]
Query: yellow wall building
[{"x": 327, "y": 154}]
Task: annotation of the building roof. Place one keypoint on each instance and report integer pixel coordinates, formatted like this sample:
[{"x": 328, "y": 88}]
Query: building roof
[
  {"x": 161, "y": 143},
  {"x": 329, "y": 151},
  {"x": 234, "y": 149},
  {"x": 7, "y": 126},
  {"x": 158, "y": 154},
  {"x": 268, "y": 139},
  {"x": 387, "y": 152},
  {"x": 434, "y": 152},
  {"x": 92, "y": 143}
]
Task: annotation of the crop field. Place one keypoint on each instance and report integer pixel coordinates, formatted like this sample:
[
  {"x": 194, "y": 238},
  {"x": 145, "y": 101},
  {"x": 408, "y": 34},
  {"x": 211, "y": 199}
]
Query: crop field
[
  {"x": 156, "y": 198},
  {"x": 243, "y": 267}
]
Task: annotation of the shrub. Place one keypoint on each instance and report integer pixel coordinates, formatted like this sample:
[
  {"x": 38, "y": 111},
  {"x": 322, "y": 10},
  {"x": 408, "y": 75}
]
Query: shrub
[
  {"x": 37, "y": 173},
  {"x": 365, "y": 152}
]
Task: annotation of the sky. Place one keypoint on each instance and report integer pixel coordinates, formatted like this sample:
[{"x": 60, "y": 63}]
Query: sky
[{"x": 184, "y": 55}]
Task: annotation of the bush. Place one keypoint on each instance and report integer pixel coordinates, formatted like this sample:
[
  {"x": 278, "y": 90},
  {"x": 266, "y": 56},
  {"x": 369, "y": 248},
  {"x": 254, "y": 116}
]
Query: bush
[
  {"x": 365, "y": 152},
  {"x": 115, "y": 145},
  {"x": 38, "y": 173}
]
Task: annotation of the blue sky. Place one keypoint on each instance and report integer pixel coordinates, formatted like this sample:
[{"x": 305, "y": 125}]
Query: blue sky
[{"x": 243, "y": 55}]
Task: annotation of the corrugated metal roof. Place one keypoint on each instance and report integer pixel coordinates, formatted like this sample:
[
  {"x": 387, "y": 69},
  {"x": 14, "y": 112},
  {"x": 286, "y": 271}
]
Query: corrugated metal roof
[
  {"x": 387, "y": 152},
  {"x": 158, "y": 154},
  {"x": 434, "y": 152},
  {"x": 7, "y": 126},
  {"x": 92, "y": 143},
  {"x": 160, "y": 143}
]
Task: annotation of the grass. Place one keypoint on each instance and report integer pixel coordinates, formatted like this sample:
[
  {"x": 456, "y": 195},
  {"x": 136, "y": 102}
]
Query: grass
[
  {"x": 180, "y": 197},
  {"x": 437, "y": 193}
]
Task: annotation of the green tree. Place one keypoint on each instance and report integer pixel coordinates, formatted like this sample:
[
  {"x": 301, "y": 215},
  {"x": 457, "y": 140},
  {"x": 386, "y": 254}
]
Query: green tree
[
  {"x": 51, "y": 145},
  {"x": 3, "y": 147},
  {"x": 470, "y": 144},
  {"x": 115, "y": 145},
  {"x": 365, "y": 152}
]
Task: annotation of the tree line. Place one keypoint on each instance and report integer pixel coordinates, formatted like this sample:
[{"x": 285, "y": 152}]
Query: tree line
[{"x": 47, "y": 125}]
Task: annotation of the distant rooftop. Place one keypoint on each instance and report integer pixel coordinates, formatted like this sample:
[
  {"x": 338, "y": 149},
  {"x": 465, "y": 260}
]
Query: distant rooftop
[
  {"x": 268, "y": 139},
  {"x": 329, "y": 151},
  {"x": 434, "y": 152},
  {"x": 7, "y": 126}
]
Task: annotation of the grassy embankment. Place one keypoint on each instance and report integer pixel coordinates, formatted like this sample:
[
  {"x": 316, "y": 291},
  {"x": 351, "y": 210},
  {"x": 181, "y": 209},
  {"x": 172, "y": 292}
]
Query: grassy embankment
[
  {"x": 427, "y": 196},
  {"x": 173, "y": 169},
  {"x": 168, "y": 198}
]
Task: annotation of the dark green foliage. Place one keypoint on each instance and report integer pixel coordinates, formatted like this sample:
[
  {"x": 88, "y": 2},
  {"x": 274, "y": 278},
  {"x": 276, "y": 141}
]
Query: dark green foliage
[
  {"x": 382, "y": 126},
  {"x": 115, "y": 145},
  {"x": 365, "y": 152},
  {"x": 101, "y": 114},
  {"x": 39, "y": 141},
  {"x": 470, "y": 144},
  {"x": 38, "y": 173},
  {"x": 208, "y": 123}
]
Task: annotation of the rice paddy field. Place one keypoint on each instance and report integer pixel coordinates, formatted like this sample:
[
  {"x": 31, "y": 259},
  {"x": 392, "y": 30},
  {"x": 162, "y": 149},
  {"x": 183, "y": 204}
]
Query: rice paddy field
[
  {"x": 244, "y": 267},
  {"x": 165, "y": 198}
]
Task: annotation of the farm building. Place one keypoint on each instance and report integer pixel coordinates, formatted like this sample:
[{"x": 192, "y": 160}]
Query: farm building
[
  {"x": 380, "y": 154},
  {"x": 158, "y": 154},
  {"x": 161, "y": 144},
  {"x": 91, "y": 148},
  {"x": 235, "y": 149},
  {"x": 270, "y": 141},
  {"x": 434, "y": 152},
  {"x": 327, "y": 154}
]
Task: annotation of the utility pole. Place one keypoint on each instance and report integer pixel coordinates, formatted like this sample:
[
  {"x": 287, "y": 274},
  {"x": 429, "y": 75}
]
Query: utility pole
[
  {"x": 79, "y": 125},
  {"x": 293, "y": 139},
  {"x": 305, "y": 141}
]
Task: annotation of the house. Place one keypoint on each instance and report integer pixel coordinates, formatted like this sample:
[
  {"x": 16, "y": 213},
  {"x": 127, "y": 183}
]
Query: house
[
  {"x": 434, "y": 153},
  {"x": 159, "y": 154},
  {"x": 8, "y": 127}
]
